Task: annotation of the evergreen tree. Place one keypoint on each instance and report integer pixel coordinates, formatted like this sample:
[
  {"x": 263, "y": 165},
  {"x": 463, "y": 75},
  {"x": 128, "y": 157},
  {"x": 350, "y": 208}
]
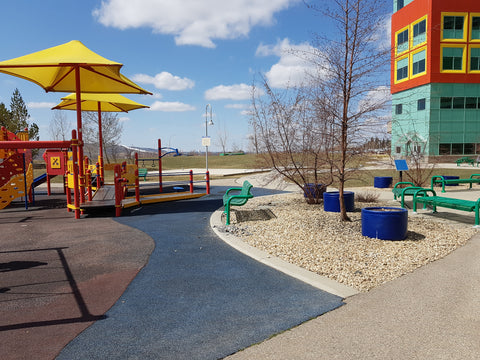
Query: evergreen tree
[
  {"x": 20, "y": 116},
  {"x": 5, "y": 116}
]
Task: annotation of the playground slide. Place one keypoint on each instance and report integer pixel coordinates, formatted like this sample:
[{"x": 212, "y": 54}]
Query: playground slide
[{"x": 39, "y": 180}]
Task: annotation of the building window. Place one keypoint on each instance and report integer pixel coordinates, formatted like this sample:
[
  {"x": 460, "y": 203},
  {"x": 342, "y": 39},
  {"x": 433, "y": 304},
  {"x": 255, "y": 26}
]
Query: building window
[
  {"x": 402, "y": 41},
  {"x": 445, "y": 103},
  {"x": 420, "y": 104},
  {"x": 457, "y": 149},
  {"x": 420, "y": 32},
  {"x": 418, "y": 63},
  {"x": 474, "y": 59},
  {"x": 458, "y": 102},
  {"x": 398, "y": 109},
  {"x": 400, "y": 4},
  {"x": 444, "y": 149},
  {"x": 402, "y": 69},
  {"x": 471, "y": 103},
  {"x": 398, "y": 149},
  {"x": 453, "y": 27},
  {"x": 475, "y": 28},
  {"x": 469, "y": 148},
  {"x": 452, "y": 58}
]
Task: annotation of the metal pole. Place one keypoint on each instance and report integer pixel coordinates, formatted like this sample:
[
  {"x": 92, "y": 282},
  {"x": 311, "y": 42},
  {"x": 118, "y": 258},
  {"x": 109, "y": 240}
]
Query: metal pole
[{"x": 206, "y": 136}]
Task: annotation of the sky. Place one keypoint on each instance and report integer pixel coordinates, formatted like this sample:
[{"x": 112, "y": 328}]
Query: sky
[{"x": 190, "y": 54}]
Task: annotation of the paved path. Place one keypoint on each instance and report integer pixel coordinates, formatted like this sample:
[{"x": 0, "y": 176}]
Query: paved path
[{"x": 197, "y": 298}]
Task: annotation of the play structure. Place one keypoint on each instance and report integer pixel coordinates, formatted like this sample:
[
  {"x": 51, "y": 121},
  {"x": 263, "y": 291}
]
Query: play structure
[
  {"x": 89, "y": 191},
  {"x": 16, "y": 170}
]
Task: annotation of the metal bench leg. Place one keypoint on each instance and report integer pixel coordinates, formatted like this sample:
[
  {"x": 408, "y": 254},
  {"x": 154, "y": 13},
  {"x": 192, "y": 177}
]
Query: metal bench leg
[{"x": 227, "y": 211}]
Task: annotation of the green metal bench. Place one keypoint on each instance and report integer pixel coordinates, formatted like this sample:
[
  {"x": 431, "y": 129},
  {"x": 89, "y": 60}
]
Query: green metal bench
[
  {"x": 143, "y": 173},
  {"x": 400, "y": 192},
  {"x": 239, "y": 198},
  {"x": 422, "y": 196},
  {"x": 465, "y": 159},
  {"x": 441, "y": 180}
]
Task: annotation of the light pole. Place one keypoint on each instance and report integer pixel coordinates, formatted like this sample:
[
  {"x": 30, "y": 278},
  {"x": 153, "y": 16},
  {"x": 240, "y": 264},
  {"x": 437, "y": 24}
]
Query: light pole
[{"x": 206, "y": 141}]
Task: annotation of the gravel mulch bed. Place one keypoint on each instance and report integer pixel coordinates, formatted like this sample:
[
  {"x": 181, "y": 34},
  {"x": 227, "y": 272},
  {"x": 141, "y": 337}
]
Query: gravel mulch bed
[{"x": 318, "y": 241}]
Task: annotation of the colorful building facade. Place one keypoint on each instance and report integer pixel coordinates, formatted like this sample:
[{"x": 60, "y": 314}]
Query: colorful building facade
[{"x": 435, "y": 77}]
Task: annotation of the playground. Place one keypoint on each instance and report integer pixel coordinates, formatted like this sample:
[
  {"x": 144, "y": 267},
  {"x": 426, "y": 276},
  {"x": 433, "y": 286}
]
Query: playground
[{"x": 91, "y": 192}]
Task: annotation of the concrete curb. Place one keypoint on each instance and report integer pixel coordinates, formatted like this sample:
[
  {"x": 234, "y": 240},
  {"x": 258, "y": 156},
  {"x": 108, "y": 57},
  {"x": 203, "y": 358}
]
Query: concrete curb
[{"x": 315, "y": 280}]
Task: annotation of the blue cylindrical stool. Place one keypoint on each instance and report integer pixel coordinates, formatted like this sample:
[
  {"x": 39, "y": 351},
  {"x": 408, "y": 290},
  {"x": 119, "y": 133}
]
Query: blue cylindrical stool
[
  {"x": 385, "y": 223},
  {"x": 451, "y": 177},
  {"x": 382, "y": 181},
  {"x": 331, "y": 201}
]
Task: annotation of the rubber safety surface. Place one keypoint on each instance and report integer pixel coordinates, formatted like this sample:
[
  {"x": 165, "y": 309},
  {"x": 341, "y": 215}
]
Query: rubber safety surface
[{"x": 197, "y": 298}]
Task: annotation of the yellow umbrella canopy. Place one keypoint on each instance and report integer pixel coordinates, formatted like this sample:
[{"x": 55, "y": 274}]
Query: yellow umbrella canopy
[
  {"x": 54, "y": 70},
  {"x": 102, "y": 102},
  {"x": 72, "y": 67}
]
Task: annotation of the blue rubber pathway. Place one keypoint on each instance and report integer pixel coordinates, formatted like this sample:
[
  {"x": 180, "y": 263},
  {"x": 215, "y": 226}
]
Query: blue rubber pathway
[{"x": 197, "y": 298}]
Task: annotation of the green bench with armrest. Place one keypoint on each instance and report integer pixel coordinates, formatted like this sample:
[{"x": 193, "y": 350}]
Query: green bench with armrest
[
  {"x": 422, "y": 196},
  {"x": 465, "y": 159},
  {"x": 237, "y": 196},
  {"x": 402, "y": 189},
  {"x": 473, "y": 179},
  {"x": 143, "y": 173}
]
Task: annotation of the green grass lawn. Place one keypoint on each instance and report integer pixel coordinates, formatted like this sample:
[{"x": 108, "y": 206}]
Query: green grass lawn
[{"x": 252, "y": 161}]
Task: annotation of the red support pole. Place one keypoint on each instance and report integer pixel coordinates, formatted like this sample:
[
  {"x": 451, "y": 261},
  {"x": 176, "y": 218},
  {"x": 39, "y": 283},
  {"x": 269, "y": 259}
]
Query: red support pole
[
  {"x": 208, "y": 182},
  {"x": 100, "y": 174},
  {"x": 160, "y": 165},
  {"x": 191, "y": 181},
  {"x": 49, "y": 192},
  {"x": 137, "y": 182},
  {"x": 76, "y": 190}
]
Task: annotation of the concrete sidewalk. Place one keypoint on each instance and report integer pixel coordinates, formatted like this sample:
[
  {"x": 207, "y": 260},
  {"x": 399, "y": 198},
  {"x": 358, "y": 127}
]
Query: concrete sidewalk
[{"x": 432, "y": 313}]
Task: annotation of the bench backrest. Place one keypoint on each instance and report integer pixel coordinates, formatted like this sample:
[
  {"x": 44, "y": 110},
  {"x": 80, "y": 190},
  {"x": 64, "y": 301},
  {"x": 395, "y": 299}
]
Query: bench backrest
[{"x": 246, "y": 189}]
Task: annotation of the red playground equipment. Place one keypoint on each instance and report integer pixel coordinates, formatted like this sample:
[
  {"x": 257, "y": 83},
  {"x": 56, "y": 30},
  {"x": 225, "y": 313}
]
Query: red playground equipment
[{"x": 61, "y": 157}]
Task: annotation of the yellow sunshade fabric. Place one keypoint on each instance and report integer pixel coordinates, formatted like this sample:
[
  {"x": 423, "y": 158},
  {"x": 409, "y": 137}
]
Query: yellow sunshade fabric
[
  {"x": 108, "y": 103},
  {"x": 54, "y": 70}
]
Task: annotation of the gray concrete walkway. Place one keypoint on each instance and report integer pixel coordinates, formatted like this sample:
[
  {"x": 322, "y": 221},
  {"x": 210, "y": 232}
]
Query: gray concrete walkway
[{"x": 432, "y": 313}]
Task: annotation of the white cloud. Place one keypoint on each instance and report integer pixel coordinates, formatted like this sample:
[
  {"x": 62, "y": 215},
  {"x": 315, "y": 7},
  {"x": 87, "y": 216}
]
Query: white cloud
[
  {"x": 192, "y": 22},
  {"x": 171, "y": 106},
  {"x": 165, "y": 81},
  {"x": 229, "y": 92},
  {"x": 374, "y": 97},
  {"x": 40, "y": 105},
  {"x": 294, "y": 66},
  {"x": 124, "y": 119},
  {"x": 237, "y": 106}
]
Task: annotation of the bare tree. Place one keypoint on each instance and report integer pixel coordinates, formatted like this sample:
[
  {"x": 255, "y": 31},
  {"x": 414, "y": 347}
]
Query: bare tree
[
  {"x": 317, "y": 129},
  {"x": 60, "y": 128},
  {"x": 290, "y": 137},
  {"x": 349, "y": 62},
  {"x": 222, "y": 137},
  {"x": 111, "y": 130}
]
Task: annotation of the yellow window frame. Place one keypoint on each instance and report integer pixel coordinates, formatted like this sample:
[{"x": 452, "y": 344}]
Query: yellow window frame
[
  {"x": 470, "y": 47},
  {"x": 396, "y": 40},
  {"x": 464, "y": 58},
  {"x": 396, "y": 68},
  {"x": 410, "y": 70},
  {"x": 466, "y": 27},
  {"x": 426, "y": 32},
  {"x": 472, "y": 15}
]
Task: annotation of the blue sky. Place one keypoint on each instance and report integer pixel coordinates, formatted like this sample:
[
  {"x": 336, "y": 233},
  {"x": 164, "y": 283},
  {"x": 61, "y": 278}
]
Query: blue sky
[{"x": 189, "y": 53}]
